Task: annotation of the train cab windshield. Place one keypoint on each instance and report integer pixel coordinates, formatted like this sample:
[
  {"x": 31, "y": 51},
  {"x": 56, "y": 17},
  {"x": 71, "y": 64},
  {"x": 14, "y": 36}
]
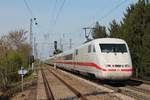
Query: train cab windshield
[{"x": 113, "y": 48}]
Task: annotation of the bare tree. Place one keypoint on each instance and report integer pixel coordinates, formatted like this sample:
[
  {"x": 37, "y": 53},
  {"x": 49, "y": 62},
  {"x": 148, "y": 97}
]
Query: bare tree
[{"x": 14, "y": 52}]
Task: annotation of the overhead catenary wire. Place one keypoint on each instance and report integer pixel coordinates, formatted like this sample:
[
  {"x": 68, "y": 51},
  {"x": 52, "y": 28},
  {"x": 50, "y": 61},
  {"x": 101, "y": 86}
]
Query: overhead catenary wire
[
  {"x": 108, "y": 13},
  {"x": 52, "y": 16},
  {"x": 53, "y": 9},
  {"x": 113, "y": 9},
  {"x": 63, "y": 3},
  {"x": 58, "y": 14},
  {"x": 59, "y": 11},
  {"x": 28, "y": 8}
]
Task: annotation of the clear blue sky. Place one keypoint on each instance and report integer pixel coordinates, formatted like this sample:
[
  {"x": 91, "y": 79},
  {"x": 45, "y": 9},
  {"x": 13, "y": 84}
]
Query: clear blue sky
[{"x": 74, "y": 15}]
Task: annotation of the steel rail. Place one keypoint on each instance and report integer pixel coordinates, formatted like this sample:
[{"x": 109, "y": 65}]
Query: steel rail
[
  {"x": 125, "y": 91},
  {"x": 75, "y": 91},
  {"x": 139, "y": 89},
  {"x": 145, "y": 82},
  {"x": 47, "y": 87}
]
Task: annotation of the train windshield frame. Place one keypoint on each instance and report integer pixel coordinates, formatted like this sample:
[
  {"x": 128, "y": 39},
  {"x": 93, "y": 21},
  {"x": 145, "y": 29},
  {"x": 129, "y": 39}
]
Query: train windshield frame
[{"x": 113, "y": 48}]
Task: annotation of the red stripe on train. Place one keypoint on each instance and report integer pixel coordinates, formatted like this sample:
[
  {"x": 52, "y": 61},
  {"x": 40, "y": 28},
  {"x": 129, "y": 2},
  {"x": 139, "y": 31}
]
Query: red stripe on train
[
  {"x": 93, "y": 65},
  {"x": 126, "y": 69}
]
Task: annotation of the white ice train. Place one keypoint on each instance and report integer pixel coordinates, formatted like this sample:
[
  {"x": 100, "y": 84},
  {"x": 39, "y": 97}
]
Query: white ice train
[{"x": 105, "y": 58}]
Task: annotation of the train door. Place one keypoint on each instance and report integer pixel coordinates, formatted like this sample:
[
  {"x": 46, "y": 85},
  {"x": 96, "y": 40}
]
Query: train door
[
  {"x": 76, "y": 60},
  {"x": 73, "y": 59}
]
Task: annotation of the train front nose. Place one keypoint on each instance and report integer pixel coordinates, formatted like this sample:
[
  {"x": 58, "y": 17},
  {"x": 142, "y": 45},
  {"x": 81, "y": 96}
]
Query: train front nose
[
  {"x": 118, "y": 67},
  {"x": 118, "y": 74}
]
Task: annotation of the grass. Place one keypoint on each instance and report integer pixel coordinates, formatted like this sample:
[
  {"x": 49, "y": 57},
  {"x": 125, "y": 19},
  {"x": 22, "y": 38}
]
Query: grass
[{"x": 15, "y": 87}]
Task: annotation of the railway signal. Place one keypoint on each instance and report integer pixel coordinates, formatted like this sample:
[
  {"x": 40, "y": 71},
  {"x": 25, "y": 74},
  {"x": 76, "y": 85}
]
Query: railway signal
[{"x": 55, "y": 45}]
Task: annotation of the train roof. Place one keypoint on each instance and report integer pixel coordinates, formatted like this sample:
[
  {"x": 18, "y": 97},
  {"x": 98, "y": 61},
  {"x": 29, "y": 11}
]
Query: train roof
[
  {"x": 99, "y": 40},
  {"x": 104, "y": 40},
  {"x": 108, "y": 40}
]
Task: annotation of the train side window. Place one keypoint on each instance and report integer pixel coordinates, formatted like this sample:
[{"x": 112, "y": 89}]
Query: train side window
[
  {"x": 76, "y": 52},
  {"x": 68, "y": 57},
  {"x": 94, "y": 49},
  {"x": 89, "y": 48}
]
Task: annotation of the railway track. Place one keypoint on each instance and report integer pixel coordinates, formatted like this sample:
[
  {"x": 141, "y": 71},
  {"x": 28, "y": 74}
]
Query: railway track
[
  {"x": 143, "y": 81},
  {"x": 89, "y": 91},
  {"x": 47, "y": 87},
  {"x": 49, "y": 90},
  {"x": 142, "y": 88},
  {"x": 111, "y": 93},
  {"x": 75, "y": 91},
  {"x": 136, "y": 92},
  {"x": 132, "y": 91},
  {"x": 139, "y": 89}
]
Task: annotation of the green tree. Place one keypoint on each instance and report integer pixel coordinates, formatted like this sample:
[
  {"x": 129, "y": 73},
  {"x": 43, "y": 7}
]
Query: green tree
[
  {"x": 135, "y": 29},
  {"x": 14, "y": 64},
  {"x": 115, "y": 29},
  {"x": 10, "y": 62},
  {"x": 17, "y": 41},
  {"x": 99, "y": 31},
  {"x": 14, "y": 52},
  {"x": 57, "y": 51},
  {"x": 25, "y": 52}
]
